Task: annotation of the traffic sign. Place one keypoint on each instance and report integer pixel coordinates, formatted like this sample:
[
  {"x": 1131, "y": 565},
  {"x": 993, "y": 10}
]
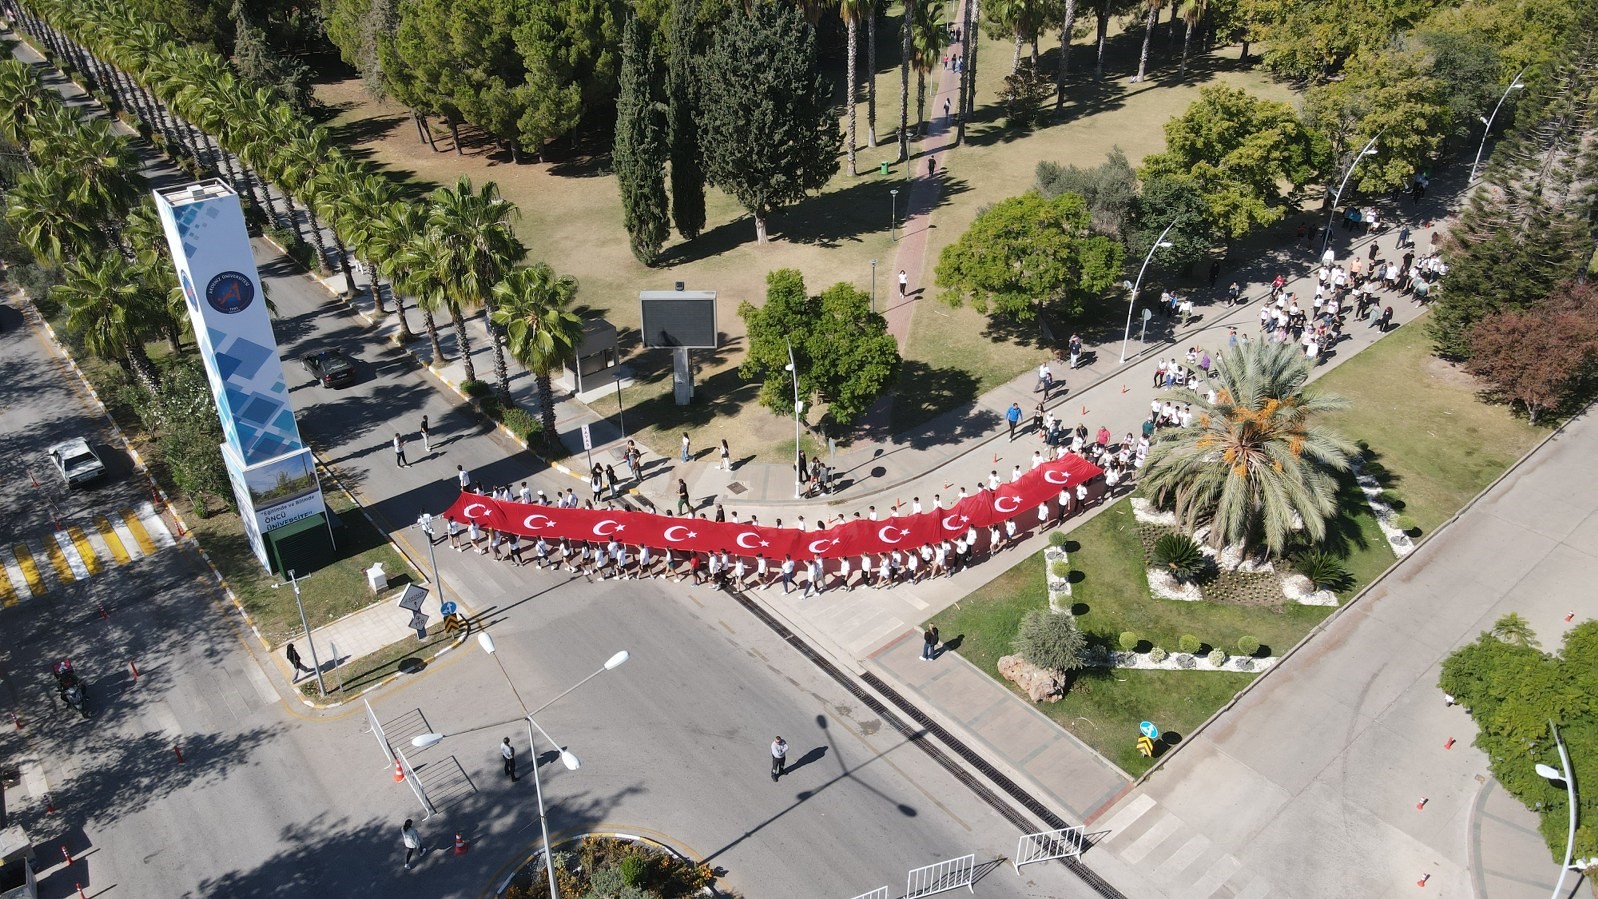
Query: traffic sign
[
  {"x": 588, "y": 438},
  {"x": 1145, "y": 747},
  {"x": 1148, "y": 729},
  {"x": 447, "y": 608}
]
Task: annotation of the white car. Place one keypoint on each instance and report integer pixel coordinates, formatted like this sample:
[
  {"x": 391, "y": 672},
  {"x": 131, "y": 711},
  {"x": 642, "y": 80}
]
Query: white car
[{"x": 77, "y": 462}]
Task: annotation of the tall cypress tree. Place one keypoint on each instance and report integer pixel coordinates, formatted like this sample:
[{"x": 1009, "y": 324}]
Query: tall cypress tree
[
  {"x": 640, "y": 151},
  {"x": 687, "y": 175}
]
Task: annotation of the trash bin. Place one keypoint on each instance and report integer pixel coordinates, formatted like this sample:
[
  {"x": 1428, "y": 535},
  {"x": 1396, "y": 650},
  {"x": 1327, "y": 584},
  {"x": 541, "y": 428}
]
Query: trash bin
[
  {"x": 377, "y": 578},
  {"x": 883, "y": 169}
]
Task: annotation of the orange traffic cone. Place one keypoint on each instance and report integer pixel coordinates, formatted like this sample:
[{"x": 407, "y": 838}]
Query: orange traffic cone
[
  {"x": 399, "y": 772},
  {"x": 460, "y": 844}
]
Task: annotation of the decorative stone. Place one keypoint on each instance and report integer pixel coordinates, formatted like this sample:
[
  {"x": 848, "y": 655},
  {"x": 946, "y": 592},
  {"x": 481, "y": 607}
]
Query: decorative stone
[
  {"x": 1039, "y": 684},
  {"x": 1297, "y": 588},
  {"x": 1164, "y": 585},
  {"x": 1145, "y": 512}
]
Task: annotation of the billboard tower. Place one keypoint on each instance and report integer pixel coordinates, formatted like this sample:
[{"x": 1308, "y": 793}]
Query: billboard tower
[{"x": 273, "y": 475}]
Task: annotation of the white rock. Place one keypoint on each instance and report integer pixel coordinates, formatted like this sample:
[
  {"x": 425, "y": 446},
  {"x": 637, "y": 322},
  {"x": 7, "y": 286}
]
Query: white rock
[{"x": 1165, "y": 586}]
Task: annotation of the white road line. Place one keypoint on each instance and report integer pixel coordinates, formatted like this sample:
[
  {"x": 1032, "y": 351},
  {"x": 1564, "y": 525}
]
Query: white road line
[
  {"x": 257, "y": 678},
  {"x": 125, "y": 534},
  {"x": 19, "y": 584},
  {"x": 1257, "y": 889},
  {"x": 1217, "y": 874},
  {"x": 1128, "y": 816},
  {"x": 1147, "y": 843},
  {"x": 70, "y": 550},
  {"x": 102, "y": 550},
  {"x": 33, "y": 776},
  {"x": 1184, "y": 856},
  {"x": 153, "y": 523}
]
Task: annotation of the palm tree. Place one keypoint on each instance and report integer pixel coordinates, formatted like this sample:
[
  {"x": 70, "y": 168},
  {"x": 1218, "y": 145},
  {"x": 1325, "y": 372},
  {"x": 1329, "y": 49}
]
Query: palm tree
[
  {"x": 904, "y": 79},
  {"x": 359, "y": 214},
  {"x": 1154, "y": 7},
  {"x": 476, "y": 248},
  {"x": 1515, "y": 630},
  {"x": 871, "y": 73},
  {"x": 1254, "y": 463},
  {"x": 103, "y": 169},
  {"x": 927, "y": 38},
  {"x": 1067, "y": 25},
  {"x": 533, "y": 305},
  {"x": 852, "y": 10},
  {"x": 48, "y": 223},
  {"x": 1191, "y": 11},
  {"x": 397, "y": 229},
  {"x": 21, "y": 98},
  {"x": 110, "y": 307},
  {"x": 302, "y": 159},
  {"x": 330, "y": 191}
]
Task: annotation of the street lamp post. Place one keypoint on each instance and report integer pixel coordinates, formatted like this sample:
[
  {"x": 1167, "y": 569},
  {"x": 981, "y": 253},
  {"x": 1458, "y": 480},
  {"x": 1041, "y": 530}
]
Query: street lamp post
[
  {"x": 893, "y": 212},
  {"x": 425, "y": 522},
  {"x": 1565, "y": 774},
  {"x": 1132, "y": 303},
  {"x": 873, "y": 285},
  {"x": 1514, "y": 85},
  {"x": 798, "y": 406},
  {"x": 422, "y": 741},
  {"x": 1370, "y": 148},
  {"x": 306, "y": 626}
]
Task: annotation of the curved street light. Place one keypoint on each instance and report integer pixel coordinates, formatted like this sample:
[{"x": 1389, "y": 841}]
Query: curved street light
[
  {"x": 798, "y": 407},
  {"x": 1563, "y": 772},
  {"x": 1514, "y": 85},
  {"x": 569, "y": 760},
  {"x": 1131, "y": 304},
  {"x": 1369, "y": 150}
]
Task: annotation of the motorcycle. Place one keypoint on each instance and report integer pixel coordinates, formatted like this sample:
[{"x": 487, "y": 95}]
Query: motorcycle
[{"x": 69, "y": 688}]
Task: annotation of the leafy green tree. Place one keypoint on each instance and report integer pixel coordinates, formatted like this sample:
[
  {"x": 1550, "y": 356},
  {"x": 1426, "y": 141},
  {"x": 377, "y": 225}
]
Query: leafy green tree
[
  {"x": 1390, "y": 97},
  {"x": 1109, "y": 188},
  {"x": 767, "y": 127},
  {"x": 264, "y": 66},
  {"x": 1026, "y": 252},
  {"x": 182, "y": 416},
  {"x": 533, "y": 305},
  {"x": 1237, "y": 150},
  {"x": 472, "y": 248},
  {"x": 1512, "y": 691},
  {"x": 1051, "y": 640},
  {"x": 571, "y": 50},
  {"x": 1513, "y": 628},
  {"x": 1255, "y": 461},
  {"x": 687, "y": 173},
  {"x": 1023, "y": 95},
  {"x": 1311, "y": 40},
  {"x": 640, "y": 152},
  {"x": 845, "y": 355},
  {"x": 1542, "y": 358},
  {"x": 1161, "y": 201},
  {"x": 112, "y": 310},
  {"x": 459, "y": 59}
]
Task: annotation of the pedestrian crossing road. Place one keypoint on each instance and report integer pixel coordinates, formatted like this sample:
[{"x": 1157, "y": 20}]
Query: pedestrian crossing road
[{"x": 89, "y": 548}]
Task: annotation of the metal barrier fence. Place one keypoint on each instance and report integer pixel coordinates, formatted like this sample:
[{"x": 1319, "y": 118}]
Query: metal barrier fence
[
  {"x": 946, "y": 875},
  {"x": 1048, "y": 844},
  {"x": 878, "y": 893}
]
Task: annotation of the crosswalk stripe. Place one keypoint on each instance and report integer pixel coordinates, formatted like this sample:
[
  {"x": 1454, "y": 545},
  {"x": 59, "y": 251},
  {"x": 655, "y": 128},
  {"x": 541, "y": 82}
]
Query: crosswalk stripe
[
  {"x": 80, "y": 541},
  {"x": 69, "y": 554},
  {"x": 30, "y": 569},
  {"x": 8, "y": 596},
  {"x": 58, "y": 561},
  {"x": 154, "y": 526},
  {"x": 140, "y": 535},
  {"x": 125, "y": 537},
  {"x": 113, "y": 542}
]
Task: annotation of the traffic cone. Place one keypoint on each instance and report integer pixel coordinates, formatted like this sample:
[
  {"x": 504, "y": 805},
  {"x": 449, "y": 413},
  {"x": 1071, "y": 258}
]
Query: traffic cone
[
  {"x": 1421, "y": 804},
  {"x": 460, "y": 844},
  {"x": 399, "y": 772}
]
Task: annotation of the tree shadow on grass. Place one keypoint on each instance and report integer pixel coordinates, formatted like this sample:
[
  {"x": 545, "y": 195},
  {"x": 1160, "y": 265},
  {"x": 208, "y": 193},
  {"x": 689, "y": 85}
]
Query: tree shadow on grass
[
  {"x": 355, "y": 134},
  {"x": 924, "y": 393}
]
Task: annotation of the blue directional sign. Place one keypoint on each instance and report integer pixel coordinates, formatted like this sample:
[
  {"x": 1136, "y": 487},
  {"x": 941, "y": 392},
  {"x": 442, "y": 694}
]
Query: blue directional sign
[
  {"x": 446, "y": 609},
  {"x": 1148, "y": 729}
]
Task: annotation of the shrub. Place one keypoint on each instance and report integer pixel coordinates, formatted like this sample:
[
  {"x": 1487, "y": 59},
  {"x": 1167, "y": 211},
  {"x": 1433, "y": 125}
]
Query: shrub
[
  {"x": 522, "y": 423},
  {"x": 1158, "y": 654},
  {"x": 1180, "y": 555},
  {"x": 1129, "y": 640},
  {"x": 1061, "y": 570},
  {"x": 1186, "y": 660},
  {"x": 476, "y": 389},
  {"x": 1188, "y": 643},
  {"x": 1050, "y": 640},
  {"x": 1217, "y": 657},
  {"x": 1324, "y": 570},
  {"x": 298, "y": 250},
  {"x": 633, "y": 870},
  {"x": 1057, "y": 539},
  {"x": 1248, "y": 645}
]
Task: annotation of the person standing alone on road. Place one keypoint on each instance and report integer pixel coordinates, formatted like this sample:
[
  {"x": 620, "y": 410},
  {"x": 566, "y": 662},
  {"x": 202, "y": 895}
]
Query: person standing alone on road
[
  {"x": 684, "y": 506},
  {"x": 685, "y": 446},
  {"x": 412, "y": 841},
  {"x": 779, "y": 759},
  {"x": 508, "y": 753},
  {"x": 726, "y": 457},
  {"x": 1013, "y": 416},
  {"x": 295, "y": 660},
  {"x": 464, "y": 476},
  {"x": 929, "y": 644},
  {"x": 904, "y": 283},
  {"x": 427, "y": 437},
  {"x": 399, "y": 449}
]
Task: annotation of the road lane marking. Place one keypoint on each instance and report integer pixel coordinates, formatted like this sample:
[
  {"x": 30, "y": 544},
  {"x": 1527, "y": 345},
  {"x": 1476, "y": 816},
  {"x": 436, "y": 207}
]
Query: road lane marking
[
  {"x": 140, "y": 535},
  {"x": 8, "y": 595},
  {"x": 124, "y": 536},
  {"x": 69, "y": 555},
  {"x": 154, "y": 526},
  {"x": 113, "y": 541},
  {"x": 30, "y": 569},
  {"x": 80, "y": 542}
]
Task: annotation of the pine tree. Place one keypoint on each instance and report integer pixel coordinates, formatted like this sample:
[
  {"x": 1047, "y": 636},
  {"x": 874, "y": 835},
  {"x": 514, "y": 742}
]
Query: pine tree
[
  {"x": 687, "y": 175},
  {"x": 640, "y": 153},
  {"x": 767, "y": 125}
]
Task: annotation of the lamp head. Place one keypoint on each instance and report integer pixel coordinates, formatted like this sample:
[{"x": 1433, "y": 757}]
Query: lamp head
[
  {"x": 569, "y": 760},
  {"x": 486, "y": 642},
  {"x": 1550, "y": 772},
  {"x": 617, "y": 660},
  {"x": 422, "y": 741},
  {"x": 1127, "y": 285},
  {"x": 1165, "y": 243}
]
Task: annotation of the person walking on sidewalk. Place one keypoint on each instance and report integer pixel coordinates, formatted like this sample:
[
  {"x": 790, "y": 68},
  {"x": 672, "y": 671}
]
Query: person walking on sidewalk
[
  {"x": 427, "y": 436},
  {"x": 412, "y": 841},
  {"x": 464, "y": 476},
  {"x": 685, "y": 446},
  {"x": 1074, "y": 349},
  {"x": 1013, "y": 416},
  {"x": 684, "y": 505},
  {"x": 399, "y": 449},
  {"x": 726, "y": 457},
  {"x": 779, "y": 758},
  {"x": 904, "y": 283},
  {"x": 293, "y": 656},
  {"x": 508, "y": 753},
  {"x": 929, "y": 644}
]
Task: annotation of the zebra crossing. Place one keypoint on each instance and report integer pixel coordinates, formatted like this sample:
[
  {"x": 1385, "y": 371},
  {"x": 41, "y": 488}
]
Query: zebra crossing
[{"x": 33, "y": 567}]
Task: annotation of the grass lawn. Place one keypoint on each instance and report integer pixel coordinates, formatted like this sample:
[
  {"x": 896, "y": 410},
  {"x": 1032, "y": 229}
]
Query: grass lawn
[
  {"x": 570, "y": 216},
  {"x": 407, "y": 655},
  {"x": 1439, "y": 445},
  {"x": 328, "y": 593}
]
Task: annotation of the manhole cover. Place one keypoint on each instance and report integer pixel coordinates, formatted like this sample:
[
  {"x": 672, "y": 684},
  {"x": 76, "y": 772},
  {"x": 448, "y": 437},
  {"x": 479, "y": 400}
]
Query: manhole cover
[{"x": 736, "y": 488}]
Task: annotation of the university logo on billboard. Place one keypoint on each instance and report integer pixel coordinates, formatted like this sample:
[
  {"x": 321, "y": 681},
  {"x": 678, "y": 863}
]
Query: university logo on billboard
[{"x": 230, "y": 292}]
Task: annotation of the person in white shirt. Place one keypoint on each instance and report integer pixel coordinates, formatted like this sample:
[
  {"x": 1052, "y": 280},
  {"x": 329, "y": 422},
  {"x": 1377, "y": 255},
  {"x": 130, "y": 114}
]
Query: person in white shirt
[
  {"x": 1015, "y": 473},
  {"x": 1037, "y": 459}
]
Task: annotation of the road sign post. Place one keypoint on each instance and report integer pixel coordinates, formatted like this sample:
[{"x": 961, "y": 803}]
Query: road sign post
[
  {"x": 1143, "y": 335},
  {"x": 588, "y": 447}
]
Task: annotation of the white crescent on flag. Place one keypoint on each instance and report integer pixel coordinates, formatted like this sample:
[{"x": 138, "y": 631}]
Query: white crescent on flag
[
  {"x": 957, "y": 525},
  {"x": 882, "y": 534},
  {"x": 822, "y": 548},
  {"x": 750, "y": 534},
  {"x": 599, "y": 529},
  {"x": 999, "y": 504},
  {"x": 528, "y": 522},
  {"x": 675, "y": 527},
  {"x": 1048, "y": 475},
  {"x": 470, "y": 514}
]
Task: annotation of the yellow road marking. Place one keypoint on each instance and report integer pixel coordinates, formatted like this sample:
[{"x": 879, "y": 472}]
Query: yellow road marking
[
  {"x": 30, "y": 569},
  {"x": 85, "y": 549},
  {"x": 8, "y": 596},
  {"x": 114, "y": 543},
  {"x": 58, "y": 560},
  {"x": 140, "y": 535}
]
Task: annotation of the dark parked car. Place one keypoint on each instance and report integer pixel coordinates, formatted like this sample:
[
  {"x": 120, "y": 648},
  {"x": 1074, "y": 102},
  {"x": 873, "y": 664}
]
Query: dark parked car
[{"x": 330, "y": 367}]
